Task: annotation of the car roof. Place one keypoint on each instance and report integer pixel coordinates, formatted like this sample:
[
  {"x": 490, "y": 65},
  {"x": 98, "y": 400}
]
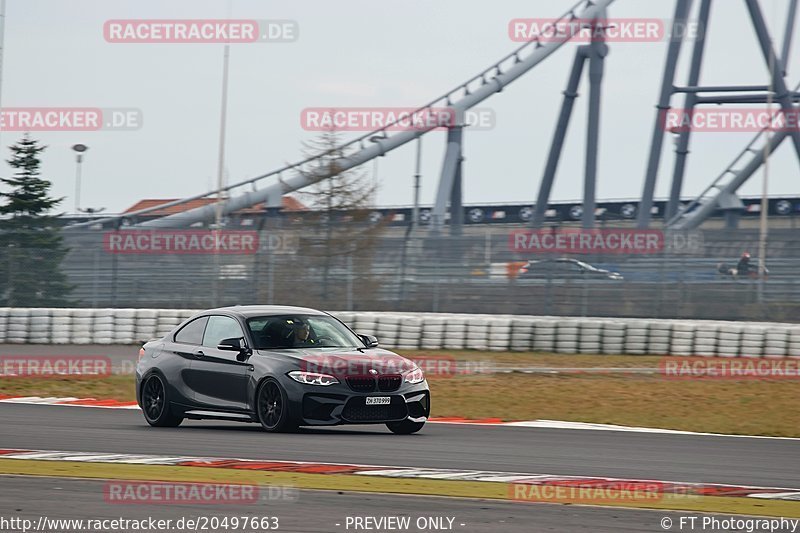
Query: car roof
[
  {"x": 249, "y": 311},
  {"x": 556, "y": 260}
]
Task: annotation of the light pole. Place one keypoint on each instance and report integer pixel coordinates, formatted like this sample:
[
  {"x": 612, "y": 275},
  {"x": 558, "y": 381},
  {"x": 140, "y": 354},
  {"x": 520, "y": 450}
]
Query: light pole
[
  {"x": 374, "y": 196},
  {"x": 79, "y": 149},
  {"x": 763, "y": 225},
  {"x": 417, "y": 175}
]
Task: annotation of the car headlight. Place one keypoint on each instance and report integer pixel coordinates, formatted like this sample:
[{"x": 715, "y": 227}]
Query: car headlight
[
  {"x": 415, "y": 376},
  {"x": 312, "y": 378}
]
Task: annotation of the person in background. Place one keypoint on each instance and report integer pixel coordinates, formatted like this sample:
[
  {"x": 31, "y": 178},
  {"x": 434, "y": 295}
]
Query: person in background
[{"x": 743, "y": 266}]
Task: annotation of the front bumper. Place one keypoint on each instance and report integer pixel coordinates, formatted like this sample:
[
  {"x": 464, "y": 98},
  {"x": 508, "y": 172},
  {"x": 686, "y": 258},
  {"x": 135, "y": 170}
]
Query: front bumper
[{"x": 338, "y": 404}]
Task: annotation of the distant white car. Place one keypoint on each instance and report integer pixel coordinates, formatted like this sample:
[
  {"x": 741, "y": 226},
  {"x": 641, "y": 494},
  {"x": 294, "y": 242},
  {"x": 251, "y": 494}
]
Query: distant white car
[{"x": 564, "y": 268}]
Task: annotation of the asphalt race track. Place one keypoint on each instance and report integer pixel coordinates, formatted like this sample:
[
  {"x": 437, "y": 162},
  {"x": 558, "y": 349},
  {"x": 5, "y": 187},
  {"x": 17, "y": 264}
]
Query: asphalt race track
[
  {"x": 687, "y": 458},
  {"x": 769, "y": 462},
  {"x": 321, "y": 511}
]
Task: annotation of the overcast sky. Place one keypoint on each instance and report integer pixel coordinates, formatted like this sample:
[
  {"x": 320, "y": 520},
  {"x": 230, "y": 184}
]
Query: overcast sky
[{"x": 358, "y": 53}]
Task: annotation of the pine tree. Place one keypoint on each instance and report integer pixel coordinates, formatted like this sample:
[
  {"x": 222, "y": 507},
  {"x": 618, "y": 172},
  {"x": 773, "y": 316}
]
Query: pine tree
[{"x": 31, "y": 246}]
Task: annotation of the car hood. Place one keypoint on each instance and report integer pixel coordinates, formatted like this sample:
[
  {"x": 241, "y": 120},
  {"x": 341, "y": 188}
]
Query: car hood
[{"x": 341, "y": 362}]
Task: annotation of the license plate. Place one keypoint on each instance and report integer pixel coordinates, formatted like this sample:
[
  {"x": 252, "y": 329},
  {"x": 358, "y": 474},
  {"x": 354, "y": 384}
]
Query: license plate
[{"x": 379, "y": 400}]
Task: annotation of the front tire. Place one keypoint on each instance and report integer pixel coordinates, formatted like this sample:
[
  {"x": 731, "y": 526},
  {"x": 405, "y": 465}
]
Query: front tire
[
  {"x": 404, "y": 427},
  {"x": 155, "y": 404},
  {"x": 272, "y": 408}
]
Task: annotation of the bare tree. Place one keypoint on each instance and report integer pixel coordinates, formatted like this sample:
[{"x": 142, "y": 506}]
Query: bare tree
[{"x": 340, "y": 215}]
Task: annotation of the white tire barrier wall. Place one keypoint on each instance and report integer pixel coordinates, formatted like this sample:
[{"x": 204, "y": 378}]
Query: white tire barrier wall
[
  {"x": 591, "y": 336},
  {"x": 705, "y": 340},
  {"x": 753, "y": 340},
  {"x": 82, "y": 325},
  {"x": 567, "y": 334},
  {"x": 522, "y": 334},
  {"x": 729, "y": 340},
  {"x": 636, "y": 336},
  {"x": 442, "y": 331},
  {"x": 61, "y": 326},
  {"x": 682, "y": 338},
  {"x": 475, "y": 332},
  {"x": 544, "y": 335},
  {"x": 39, "y": 326},
  {"x": 794, "y": 342},
  {"x": 17, "y": 330},
  {"x": 500, "y": 334},
  {"x": 410, "y": 333},
  {"x": 613, "y": 337}
]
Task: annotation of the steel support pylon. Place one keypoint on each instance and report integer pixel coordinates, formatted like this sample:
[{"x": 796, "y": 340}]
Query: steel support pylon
[
  {"x": 777, "y": 90},
  {"x": 595, "y": 54},
  {"x": 450, "y": 190}
]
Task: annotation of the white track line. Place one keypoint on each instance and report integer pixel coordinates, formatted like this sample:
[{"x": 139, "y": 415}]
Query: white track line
[
  {"x": 531, "y": 424},
  {"x": 373, "y": 470}
]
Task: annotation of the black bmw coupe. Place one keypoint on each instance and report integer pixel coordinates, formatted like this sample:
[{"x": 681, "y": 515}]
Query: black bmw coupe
[{"x": 282, "y": 367}]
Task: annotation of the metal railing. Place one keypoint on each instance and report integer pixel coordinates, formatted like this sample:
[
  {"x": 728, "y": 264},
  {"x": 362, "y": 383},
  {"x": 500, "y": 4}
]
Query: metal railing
[{"x": 477, "y": 273}]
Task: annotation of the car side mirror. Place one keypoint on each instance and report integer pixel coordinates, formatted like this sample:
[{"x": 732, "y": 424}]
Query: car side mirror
[
  {"x": 369, "y": 340},
  {"x": 231, "y": 345},
  {"x": 235, "y": 344}
]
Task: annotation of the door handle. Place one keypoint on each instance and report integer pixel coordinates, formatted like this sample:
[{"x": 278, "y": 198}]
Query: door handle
[{"x": 199, "y": 353}]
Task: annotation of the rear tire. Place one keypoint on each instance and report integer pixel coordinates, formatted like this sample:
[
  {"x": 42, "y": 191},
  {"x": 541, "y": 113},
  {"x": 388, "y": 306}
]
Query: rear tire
[
  {"x": 404, "y": 427},
  {"x": 155, "y": 404},
  {"x": 272, "y": 408}
]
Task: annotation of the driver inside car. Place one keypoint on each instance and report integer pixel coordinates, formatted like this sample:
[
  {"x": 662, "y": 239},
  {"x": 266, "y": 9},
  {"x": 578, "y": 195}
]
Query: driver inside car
[{"x": 300, "y": 334}]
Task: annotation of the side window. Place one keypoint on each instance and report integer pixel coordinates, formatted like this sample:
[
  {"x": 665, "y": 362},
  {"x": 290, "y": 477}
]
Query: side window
[
  {"x": 219, "y": 328},
  {"x": 192, "y": 333}
]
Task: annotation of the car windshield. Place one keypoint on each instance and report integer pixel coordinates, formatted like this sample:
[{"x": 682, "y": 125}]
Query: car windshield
[{"x": 300, "y": 331}]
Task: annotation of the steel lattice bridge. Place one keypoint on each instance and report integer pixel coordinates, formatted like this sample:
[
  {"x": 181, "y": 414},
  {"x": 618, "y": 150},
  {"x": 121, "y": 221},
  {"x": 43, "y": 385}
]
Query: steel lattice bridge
[{"x": 584, "y": 15}]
